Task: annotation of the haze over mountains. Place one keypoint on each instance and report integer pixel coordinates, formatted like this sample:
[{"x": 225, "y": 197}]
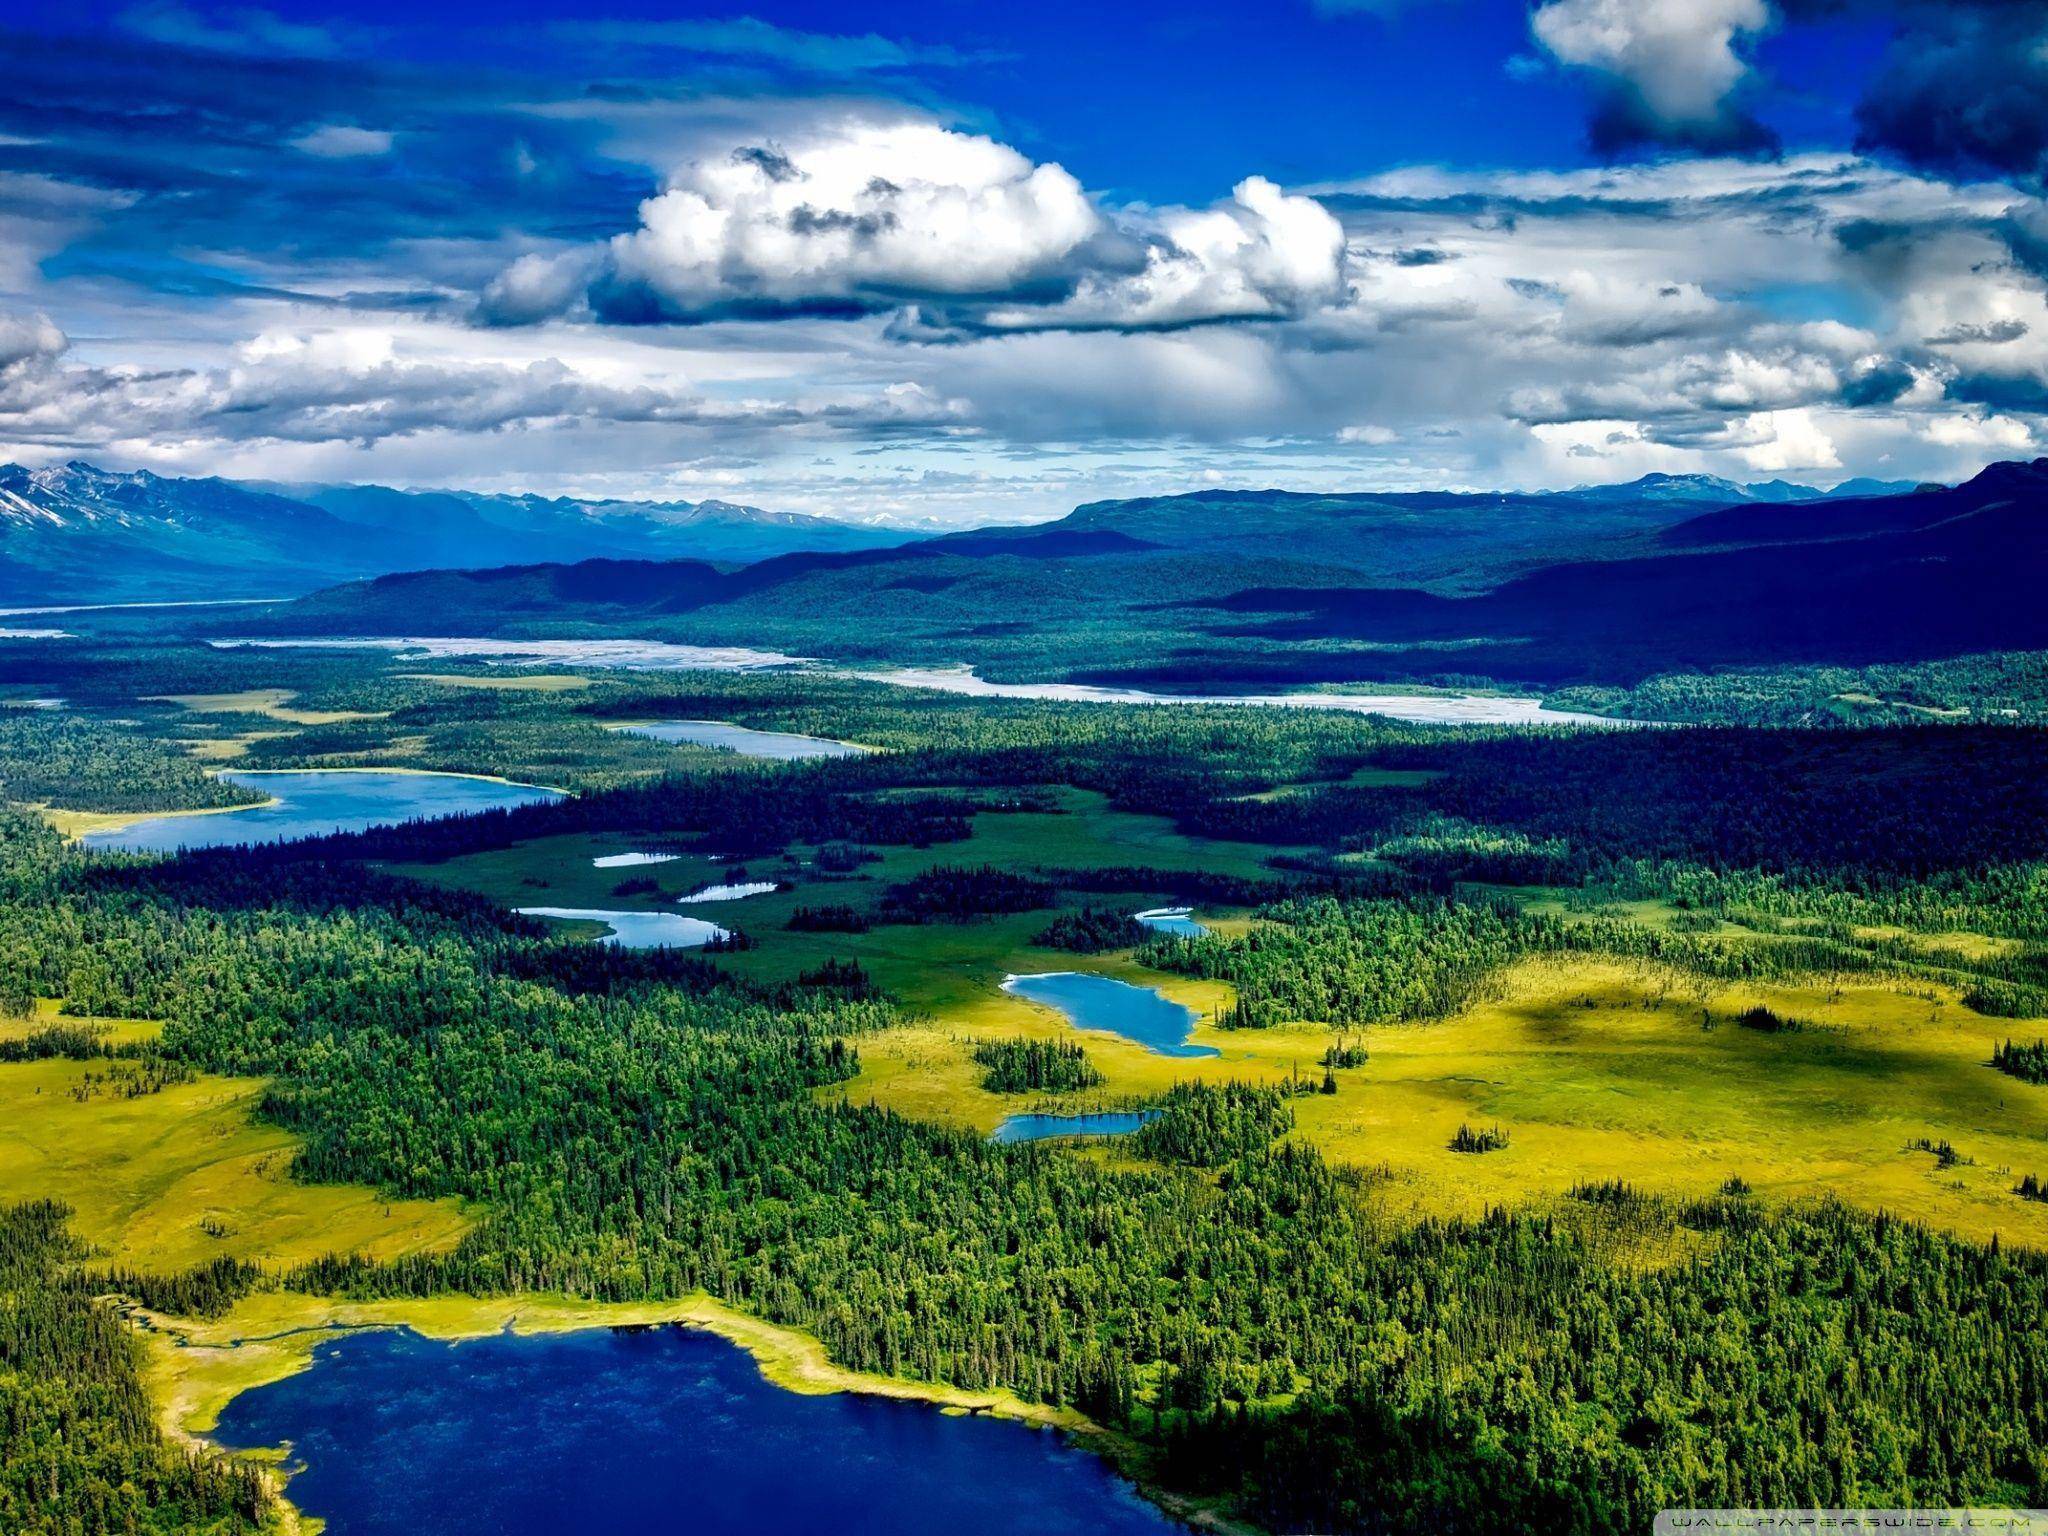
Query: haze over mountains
[
  {"x": 1184, "y": 592},
  {"x": 74, "y": 532},
  {"x": 78, "y": 533}
]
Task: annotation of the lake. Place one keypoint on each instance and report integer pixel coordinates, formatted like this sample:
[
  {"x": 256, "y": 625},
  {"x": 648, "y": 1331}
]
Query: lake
[
  {"x": 661, "y": 1431},
  {"x": 666, "y": 1432},
  {"x": 660, "y": 655},
  {"x": 625, "y": 655},
  {"x": 632, "y": 860},
  {"x": 772, "y": 746},
  {"x": 1416, "y": 708},
  {"x": 637, "y": 930},
  {"x": 729, "y": 892},
  {"x": 1049, "y": 1127},
  {"x": 1176, "y": 922},
  {"x": 1099, "y": 1002},
  {"x": 312, "y": 804}
]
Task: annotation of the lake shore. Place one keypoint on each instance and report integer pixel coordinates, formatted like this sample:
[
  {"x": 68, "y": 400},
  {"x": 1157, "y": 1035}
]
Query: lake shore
[
  {"x": 193, "y": 1369},
  {"x": 74, "y": 825}
]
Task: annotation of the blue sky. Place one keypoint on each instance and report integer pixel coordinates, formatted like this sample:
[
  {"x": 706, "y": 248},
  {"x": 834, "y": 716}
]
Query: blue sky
[{"x": 955, "y": 262}]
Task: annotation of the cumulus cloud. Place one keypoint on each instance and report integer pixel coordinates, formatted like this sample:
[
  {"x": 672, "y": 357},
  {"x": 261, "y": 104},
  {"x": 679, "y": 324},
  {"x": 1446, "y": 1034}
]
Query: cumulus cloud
[
  {"x": 1962, "y": 86},
  {"x": 957, "y": 231},
  {"x": 861, "y": 217},
  {"x": 1263, "y": 254},
  {"x": 28, "y": 339},
  {"x": 359, "y": 387},
  {"x": 1669, "y": 69}
]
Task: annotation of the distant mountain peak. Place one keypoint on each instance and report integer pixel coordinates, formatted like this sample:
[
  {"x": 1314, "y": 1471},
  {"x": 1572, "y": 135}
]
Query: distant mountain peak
[{"x": 76, "y": 530}]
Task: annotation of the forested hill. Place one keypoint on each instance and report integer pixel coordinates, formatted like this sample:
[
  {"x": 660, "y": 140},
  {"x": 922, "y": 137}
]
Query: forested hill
[
  {"x": 1189, "y": 591},
  {"x": 1446, "y": 541}
]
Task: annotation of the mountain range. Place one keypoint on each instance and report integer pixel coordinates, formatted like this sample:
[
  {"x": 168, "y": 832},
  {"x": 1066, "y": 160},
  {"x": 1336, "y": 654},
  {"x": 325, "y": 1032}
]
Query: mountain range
[
  {"x": 1267, "y": 588},
  {"x": 75, "y": 532}
]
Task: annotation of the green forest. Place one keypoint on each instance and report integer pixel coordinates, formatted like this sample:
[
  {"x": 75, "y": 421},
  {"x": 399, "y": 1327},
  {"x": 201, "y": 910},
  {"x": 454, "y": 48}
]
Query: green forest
[{"x": 1221, "y": 1293}]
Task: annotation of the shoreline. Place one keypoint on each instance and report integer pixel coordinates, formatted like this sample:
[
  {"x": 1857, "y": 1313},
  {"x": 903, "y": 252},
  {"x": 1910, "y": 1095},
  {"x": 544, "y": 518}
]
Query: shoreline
[
  {"x": 860, "y": 747},
  {"x": 193, "y": 1369},
  {"x": 73, "y": 825}
]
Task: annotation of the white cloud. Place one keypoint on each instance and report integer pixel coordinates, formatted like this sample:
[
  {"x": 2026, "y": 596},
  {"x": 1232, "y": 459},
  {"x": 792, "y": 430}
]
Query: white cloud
[
  {"x": 1678, "y": 58},
  {"x": 28, "y": 339},
  {"x": 358, "y": 385},
  {"x": 1264, "y": 254},
  {"x": 1981, "y": 430},
  {"x": 955, "y": 232},
  {"x": 869, "y": 212},
  {"x": 343, "y": 141}
]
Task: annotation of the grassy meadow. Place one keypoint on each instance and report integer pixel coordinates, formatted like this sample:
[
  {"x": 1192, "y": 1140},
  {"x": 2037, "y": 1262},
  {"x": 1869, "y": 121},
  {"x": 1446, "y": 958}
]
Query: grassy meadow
[{"x": 1596, "y": 1069}]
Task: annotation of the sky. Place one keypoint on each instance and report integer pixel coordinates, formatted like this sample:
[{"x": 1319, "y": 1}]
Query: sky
[{"x": 950, "y": 262}]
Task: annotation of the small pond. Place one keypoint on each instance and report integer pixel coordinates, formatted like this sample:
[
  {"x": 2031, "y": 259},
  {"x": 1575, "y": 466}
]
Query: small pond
[
  {"x": 1049, "y": 1127},
  {"x": 772, "y": 746},
  {"x": 1100, "y": 1002},
  {"x": 729, "y": 892},
  {"x": 637, "y": 930},
  {"x": 1176, "y": 922}
]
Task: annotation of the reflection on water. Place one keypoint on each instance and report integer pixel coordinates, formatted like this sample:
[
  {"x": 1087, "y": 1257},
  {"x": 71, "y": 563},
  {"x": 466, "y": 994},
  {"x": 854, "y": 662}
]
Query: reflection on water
[
  {"x": 316, "y": 803},
  {"x": 773, "y": 746},
  {"x": 1049, "y": 1127},
  {"x": 1424, "y": 709},
  {"x": 1099, "y": 1002},
  {"x": 1178, "y": 922},
  {"x": 638, "y": 930},
  {"x": 659, "y": 655},
  {"x": 626, "y": 655},
  {"x": 657, "y": 1430},
  {"x": 728, "y": 892}
]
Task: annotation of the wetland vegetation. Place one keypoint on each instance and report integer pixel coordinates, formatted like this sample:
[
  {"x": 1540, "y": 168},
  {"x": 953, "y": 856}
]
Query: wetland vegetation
[{"x": 1678, "y": 1258}]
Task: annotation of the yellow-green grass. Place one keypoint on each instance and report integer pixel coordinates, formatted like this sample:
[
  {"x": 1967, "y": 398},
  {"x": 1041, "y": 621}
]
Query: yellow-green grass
[
  {"x": 170, "y": 1179},
  {"x": 193, "y": 1369},
  {"x": 197, "y": 1367},
  {"x": 524, "y": 682},
  {"x": 1597, "y": 1070},
  {"x": 46, "y": 1013},
  {"x": 223, "y": 749},
  {"x": 1630, "y": 1087},
  {"x": 73, "y": 825},
  {"x": 273, "y": 702}
]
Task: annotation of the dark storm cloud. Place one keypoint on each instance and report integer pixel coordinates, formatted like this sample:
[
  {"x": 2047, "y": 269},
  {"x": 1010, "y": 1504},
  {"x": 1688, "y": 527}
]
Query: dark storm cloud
[
  {"x": 1964, "y": 88},
  {"x": 1622, "y": 122}
]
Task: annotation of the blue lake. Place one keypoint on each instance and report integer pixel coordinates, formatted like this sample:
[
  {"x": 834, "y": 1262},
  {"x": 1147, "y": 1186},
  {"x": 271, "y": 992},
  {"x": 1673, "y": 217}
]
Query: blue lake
[
  {"x": 662, "y": 1431},
  {"x": 775, "y": 746},
  {"x": 1047, "y": 1127},
  {"x": 311, "y": 804},
  {"x": 1098, "y": 1002},
  {"x": 1176, "y": 922},
  {"x": 637, "y": 930},
  {"x": 739, "y": 892}
]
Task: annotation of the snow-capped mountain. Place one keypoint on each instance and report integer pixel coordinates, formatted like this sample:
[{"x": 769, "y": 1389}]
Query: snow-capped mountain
[{"x": 75, "y": 532}]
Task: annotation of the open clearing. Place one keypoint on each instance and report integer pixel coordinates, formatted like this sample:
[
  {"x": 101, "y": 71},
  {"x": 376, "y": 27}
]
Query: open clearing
[{"x": 1596, "y": 1069}]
